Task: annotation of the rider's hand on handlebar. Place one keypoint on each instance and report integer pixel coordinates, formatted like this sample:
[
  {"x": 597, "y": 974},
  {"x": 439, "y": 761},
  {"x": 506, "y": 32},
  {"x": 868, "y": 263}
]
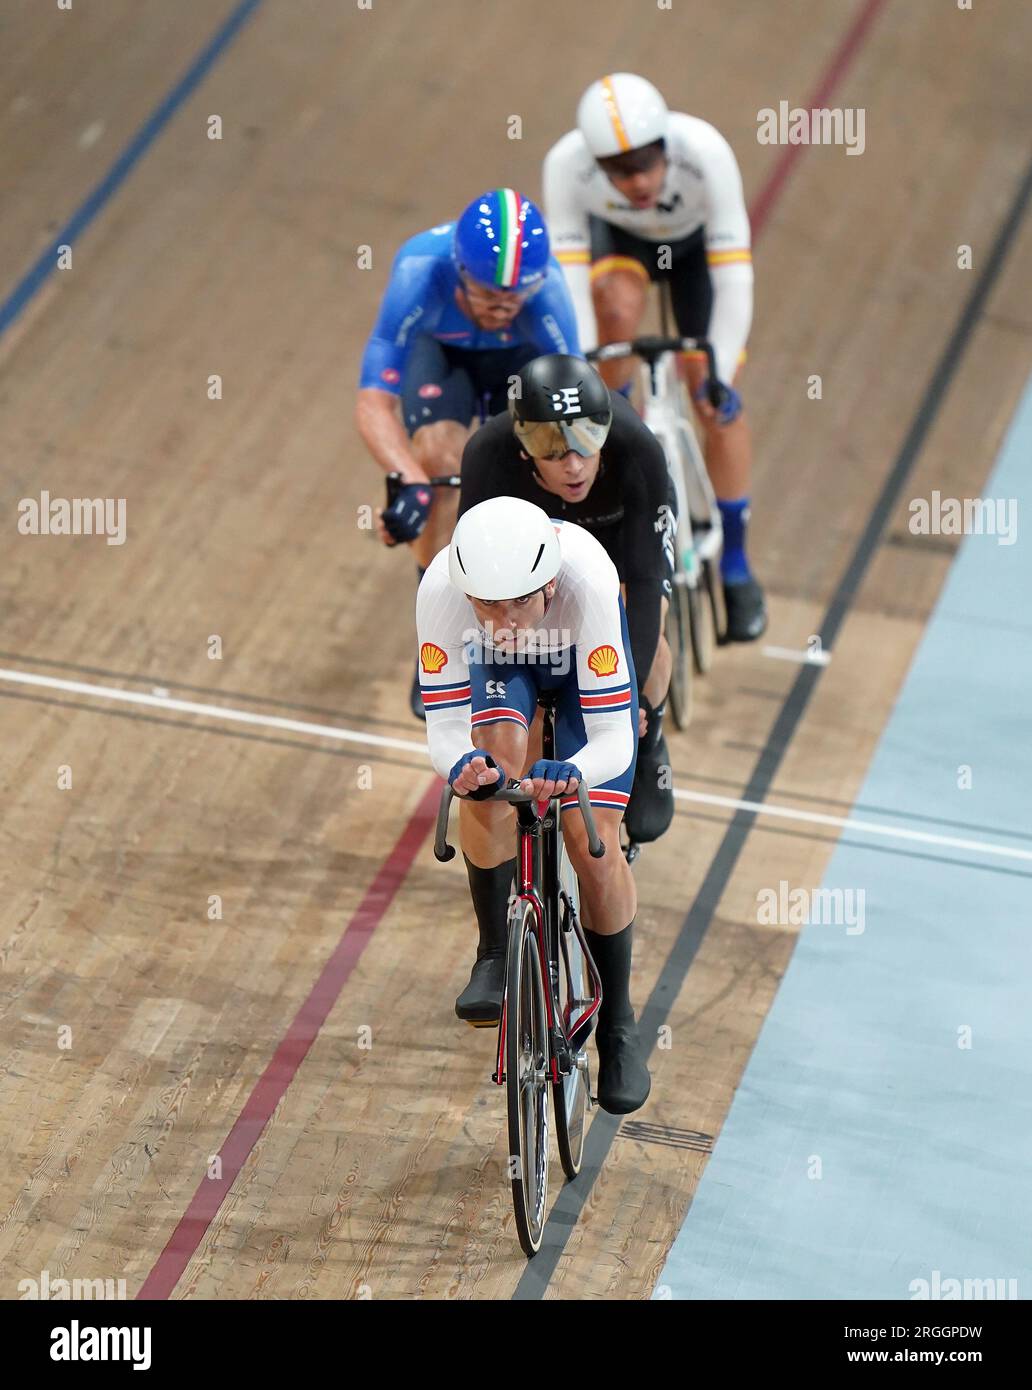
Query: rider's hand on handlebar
[
  {"x": 729, "y": 409},
  {"x": 550, "y": 778},
  {"x": 405, "y": 518},
  {"x": 476, "y": 775}
]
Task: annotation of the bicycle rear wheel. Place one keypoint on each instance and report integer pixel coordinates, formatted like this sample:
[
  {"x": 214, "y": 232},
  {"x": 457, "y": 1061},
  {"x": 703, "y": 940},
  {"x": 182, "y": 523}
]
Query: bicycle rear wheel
[
  {"x": 714, "y": 589},
  {"x": 703, "y": 614},
  {"x": 570, "y": 1094},
  {"x": 526, "y": 1083},
  {"x": 679, "y": 636}
]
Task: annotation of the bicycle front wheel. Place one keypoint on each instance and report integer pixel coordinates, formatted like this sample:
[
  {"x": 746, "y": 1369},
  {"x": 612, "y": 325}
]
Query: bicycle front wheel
[
  {"x": 526, "y": 1077},
  {"x": 570, "y": 1093}
]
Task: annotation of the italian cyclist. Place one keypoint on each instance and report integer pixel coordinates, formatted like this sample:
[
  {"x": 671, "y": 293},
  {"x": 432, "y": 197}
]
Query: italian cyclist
[{"x": 467, "y": 304}]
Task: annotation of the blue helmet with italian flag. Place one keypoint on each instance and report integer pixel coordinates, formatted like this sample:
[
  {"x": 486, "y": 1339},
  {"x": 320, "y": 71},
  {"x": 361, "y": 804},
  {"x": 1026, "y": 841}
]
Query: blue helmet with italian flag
[{"x": 501, "y": 241}]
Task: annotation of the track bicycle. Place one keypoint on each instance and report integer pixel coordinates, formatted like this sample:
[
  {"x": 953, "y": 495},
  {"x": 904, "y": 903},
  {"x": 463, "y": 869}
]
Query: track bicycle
[
  {"x": 552, "y": 994},
  {"x": 693, "y": 622}
]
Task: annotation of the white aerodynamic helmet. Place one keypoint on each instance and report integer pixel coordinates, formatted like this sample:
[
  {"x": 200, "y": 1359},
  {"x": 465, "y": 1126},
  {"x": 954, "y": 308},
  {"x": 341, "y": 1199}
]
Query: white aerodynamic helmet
[
  {"x": 503, "y": 548},
  {"x": 621, "y": 112}
]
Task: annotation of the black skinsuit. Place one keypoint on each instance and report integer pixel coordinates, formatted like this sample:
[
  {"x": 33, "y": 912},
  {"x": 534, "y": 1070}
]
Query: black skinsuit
[{"x": 629, "y": 510}]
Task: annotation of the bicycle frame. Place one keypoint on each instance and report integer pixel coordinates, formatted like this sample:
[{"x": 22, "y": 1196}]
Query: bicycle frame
[
  {"x": 695, "y": 501},
  {"x": 672, "y": 411},
  {"x": 667, "y": 413},
  {"x": 538, "y": 863},
  {"x": 539, "y": 851}
]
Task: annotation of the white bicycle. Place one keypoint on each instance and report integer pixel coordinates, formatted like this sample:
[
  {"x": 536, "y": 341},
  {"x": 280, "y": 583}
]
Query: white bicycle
[{"x": 693, "y": 625}]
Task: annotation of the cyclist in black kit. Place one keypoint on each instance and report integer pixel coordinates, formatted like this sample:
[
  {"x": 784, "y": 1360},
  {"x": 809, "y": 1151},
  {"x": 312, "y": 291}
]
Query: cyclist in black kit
[{"x": 584, "y": 455}]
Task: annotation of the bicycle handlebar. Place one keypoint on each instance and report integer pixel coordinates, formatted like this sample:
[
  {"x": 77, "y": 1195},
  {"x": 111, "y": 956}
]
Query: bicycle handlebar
[
  {"x": 395, "y": 484},
  {"x": 443, "y": 851},
  {"x": 651, "y": 348}
]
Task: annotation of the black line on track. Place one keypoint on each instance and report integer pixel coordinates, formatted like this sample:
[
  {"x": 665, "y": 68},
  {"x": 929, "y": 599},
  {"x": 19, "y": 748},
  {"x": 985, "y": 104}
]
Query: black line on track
[{"x": 565, "y": 1213}]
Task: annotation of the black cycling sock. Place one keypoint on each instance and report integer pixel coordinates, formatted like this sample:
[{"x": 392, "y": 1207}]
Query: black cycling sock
[
  {"x": 612, "y": 955},
  {"x": 490, "y": 889},
  {"x": 654, "y": 715}
]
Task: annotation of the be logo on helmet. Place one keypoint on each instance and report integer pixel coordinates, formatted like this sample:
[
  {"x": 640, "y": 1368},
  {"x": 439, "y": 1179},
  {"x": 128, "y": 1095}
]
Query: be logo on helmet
[
  {"x": 566, "y": 401},
  {"x": 432, "y": 658},
  {"x": 603, "y": 661}
]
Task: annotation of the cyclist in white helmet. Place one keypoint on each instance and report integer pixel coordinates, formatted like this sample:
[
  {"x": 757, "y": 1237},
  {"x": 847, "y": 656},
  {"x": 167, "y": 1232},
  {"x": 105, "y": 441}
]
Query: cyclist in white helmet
[
  {"x": 637, "y": 194},
  {"x": 516, "y": 605}
]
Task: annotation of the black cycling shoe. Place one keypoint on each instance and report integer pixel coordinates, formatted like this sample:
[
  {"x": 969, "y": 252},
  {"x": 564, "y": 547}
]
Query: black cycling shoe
[
  {"x": 624, "y": 1082},
  {"x": 651, "y": 807},
  {"x": 746, "y": 611},
  {"x": 480, "y": 1003},
  {"x": 416, "y": 699}
]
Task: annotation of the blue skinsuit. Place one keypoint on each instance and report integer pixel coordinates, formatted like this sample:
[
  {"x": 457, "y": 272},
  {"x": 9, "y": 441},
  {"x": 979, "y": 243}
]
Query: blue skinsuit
[{"x": 419, "y": 302}]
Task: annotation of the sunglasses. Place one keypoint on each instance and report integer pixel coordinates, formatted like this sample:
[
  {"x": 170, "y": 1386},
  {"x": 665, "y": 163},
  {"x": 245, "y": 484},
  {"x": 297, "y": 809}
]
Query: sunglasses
[
  {"x": 544, "y": 439},
  {"x": 639, "y": 161}
]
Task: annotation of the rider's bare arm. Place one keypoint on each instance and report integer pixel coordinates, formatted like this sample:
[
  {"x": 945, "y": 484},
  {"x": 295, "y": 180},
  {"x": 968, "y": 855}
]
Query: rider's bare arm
[{"x": 378, "y": 421}]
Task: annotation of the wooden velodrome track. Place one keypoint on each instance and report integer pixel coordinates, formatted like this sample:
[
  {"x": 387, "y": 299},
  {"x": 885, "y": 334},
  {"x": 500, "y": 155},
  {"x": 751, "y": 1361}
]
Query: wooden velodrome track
[{"x": 137, "y": 1032}]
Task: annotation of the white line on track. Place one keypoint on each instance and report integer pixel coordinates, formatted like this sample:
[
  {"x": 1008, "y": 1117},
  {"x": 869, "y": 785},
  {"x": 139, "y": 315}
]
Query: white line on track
[
  {"x": 332, "y": 731},
  {"x": 235, "y": 716},
  {"x": 862, "y": 827}
]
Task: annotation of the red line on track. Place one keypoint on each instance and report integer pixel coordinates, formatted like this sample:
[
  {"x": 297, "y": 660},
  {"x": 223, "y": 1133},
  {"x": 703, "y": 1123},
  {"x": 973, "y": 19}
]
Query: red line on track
[
  {"x": 273, "y": 1083},
  {"x": 835, "y": 71}
]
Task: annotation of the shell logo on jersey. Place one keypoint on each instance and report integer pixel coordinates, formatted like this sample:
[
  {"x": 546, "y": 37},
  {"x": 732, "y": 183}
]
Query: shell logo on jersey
[
  {"x": 430, "y": 391},
  {"x": 603, "y": 661},
  {"x": 391, "y": 375},
  {"x": 431, "y": 658}
]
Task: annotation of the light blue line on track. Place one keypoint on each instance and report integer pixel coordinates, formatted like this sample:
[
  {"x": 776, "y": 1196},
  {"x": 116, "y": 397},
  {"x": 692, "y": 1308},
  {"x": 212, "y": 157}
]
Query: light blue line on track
[
  {"x": 37, "y": 275},
  {"x": 925, "y": 1146}
]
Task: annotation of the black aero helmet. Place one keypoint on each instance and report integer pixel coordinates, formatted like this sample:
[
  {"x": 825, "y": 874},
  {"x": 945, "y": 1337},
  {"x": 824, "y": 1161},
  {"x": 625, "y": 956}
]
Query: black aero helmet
[{"x": 559, "y": 403}]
